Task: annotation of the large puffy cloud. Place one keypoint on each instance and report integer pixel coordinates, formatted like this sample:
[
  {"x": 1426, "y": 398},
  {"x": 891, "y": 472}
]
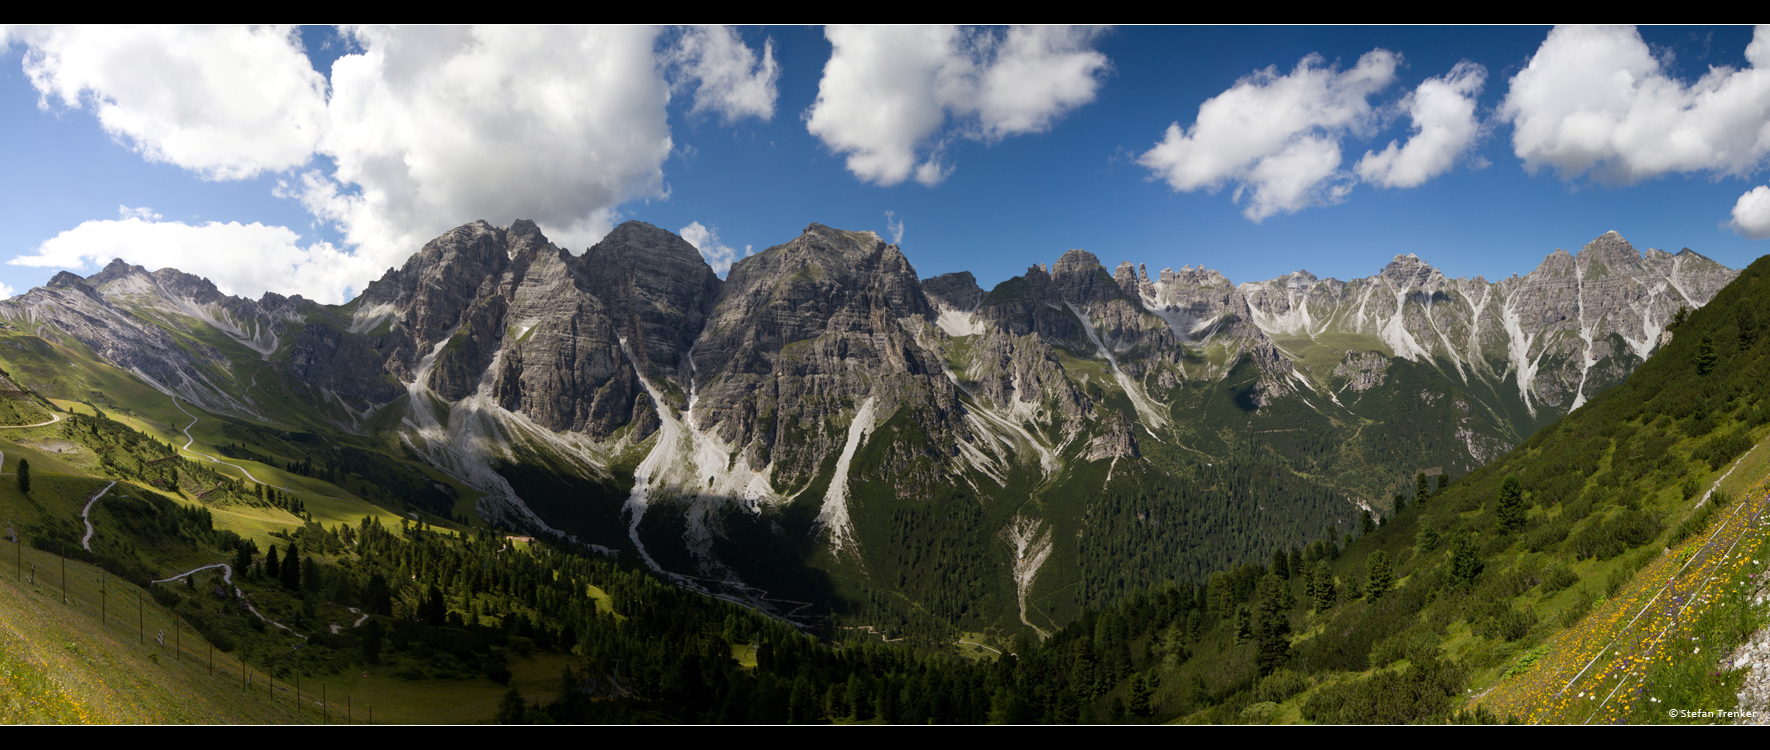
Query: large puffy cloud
[
  {"x": 242, "y": 259},
  {"x": 225, "y": 102},
  {"x": 1751, "y": 214},
  {"x": 1594, "y": 100},
  {"x": 888, "y": 93},
  {"x": 727, "y": 76},
  {"x": 426, "y": 128},
  {"x": 431, "y": 127},
  {"x": 1445, "y": 128},
  {"x": 1275, "y": 136}
]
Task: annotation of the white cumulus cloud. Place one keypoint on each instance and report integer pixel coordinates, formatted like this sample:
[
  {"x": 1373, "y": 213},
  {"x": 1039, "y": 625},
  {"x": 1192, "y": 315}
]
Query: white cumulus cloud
[
  {"x": 242, "y": 259},
  {"x": 1445, "y": 128},
  {"x": 225, "y": 102},
  {"x": 433, "y": 127},
  {"x": 426, "y": 128},
  {"x": 1751, "y": 215},
  {"x": 727, "y": 76},
  {"x": 1594, "y": 100},
  {"x": 888, "y": 93},
  {"x": 1276, "y": 137}
]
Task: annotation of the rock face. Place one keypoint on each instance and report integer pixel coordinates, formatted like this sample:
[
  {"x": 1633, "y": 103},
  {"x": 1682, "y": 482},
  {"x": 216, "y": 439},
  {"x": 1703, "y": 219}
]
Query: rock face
[
  {"x": 1574, "y": 325},
  {"x": 822, "y": 370},
  {"x": 1362, "y": 370},
  {"x": 659, "y": 292},
  {"x": 802, "y": 334},
  {"x": 956, "y": 291}
]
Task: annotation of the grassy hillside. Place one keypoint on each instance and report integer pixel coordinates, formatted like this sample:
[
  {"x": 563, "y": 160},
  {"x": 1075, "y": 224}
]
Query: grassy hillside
[{"x": 1596, "y": 574}]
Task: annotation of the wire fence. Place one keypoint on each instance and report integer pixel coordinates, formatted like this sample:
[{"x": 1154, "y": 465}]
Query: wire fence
[{"x": 121, "y": 607}]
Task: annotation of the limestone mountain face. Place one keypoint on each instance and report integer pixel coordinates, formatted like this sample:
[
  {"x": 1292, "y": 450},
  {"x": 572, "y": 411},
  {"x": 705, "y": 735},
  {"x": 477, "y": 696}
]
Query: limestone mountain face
[
  {"x": 822, "y": 402},
  {"x": 803, "y": 333},
  {"x": 659, "y": 292},
  {"x": 1574, "y": 325}
]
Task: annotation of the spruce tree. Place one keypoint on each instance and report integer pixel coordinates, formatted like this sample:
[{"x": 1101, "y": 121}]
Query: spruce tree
[
  {"x": 1382, "y": 575},
  {"x": 1511, "y": 505},
  {"x": 291, "y": 572},
  {"x": 1321, "y": 587},
  {"x": 1705, "y": 355},
  {"x": 1465, "y": 559},
  {"x": 24, "y": 476}
]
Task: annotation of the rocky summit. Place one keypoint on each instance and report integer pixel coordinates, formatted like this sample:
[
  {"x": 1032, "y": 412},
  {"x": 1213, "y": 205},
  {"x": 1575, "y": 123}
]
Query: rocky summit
[{"x": 823, "y": 434}]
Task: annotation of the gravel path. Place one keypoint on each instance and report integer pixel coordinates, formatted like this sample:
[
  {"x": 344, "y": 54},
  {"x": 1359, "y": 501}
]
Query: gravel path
[{"x": 85, "y": 515}]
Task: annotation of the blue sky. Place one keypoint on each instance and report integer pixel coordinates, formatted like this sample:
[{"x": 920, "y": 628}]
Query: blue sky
[{"x": 312, "y": 159}]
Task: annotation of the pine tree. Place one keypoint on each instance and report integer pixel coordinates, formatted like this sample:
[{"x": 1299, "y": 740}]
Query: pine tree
[
  {"x": 1281, "y": 564},
  {"x": 1465, "y": 559},
  {"x": 1321, "y": 587},
  {"x": 1511, "y": 505},
  {"x": 24, "y": 476},
  {"x": 1382, "y": 575},
  {"x": 291, "y": 572},
  {"x": 1705, "y": 355},
  {"x": 1272, "y": 624},
  {"x": 272, "y": 567}
]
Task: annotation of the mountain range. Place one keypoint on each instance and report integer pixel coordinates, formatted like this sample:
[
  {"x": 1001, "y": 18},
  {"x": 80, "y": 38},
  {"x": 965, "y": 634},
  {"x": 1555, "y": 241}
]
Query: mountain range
[{"x": 825, "y": 435}]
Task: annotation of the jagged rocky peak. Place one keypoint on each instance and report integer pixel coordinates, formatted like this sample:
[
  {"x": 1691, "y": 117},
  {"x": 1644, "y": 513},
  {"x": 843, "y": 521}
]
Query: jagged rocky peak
[
  {"x": 802, "y": 334},
  {"x": 117, "y": 270},
  {"x": 1188, "y": 276},
  {"x": 1078, "y": 277},
  {"x": 72, "y": 282},
  {"x": 659, "y": 291},
  {"x": 956, "y": 291},
  {"x": 1126, "y": 277},
  {"x": 1407, "y": 271},
  {"x": 442, "y": 280}
]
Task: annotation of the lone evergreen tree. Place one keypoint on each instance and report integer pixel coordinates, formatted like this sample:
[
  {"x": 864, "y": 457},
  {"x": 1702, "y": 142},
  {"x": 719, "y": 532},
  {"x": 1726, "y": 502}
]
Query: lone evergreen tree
[
  {"x": 1382, "y": 575},
  {"x": 292, "y": 569},
  {"x": 24, "y": 476},
  {"x": 1465, "y": 559},
  {"x": 1321, "y": 587},
  {"x": 1511, "y": 505}
]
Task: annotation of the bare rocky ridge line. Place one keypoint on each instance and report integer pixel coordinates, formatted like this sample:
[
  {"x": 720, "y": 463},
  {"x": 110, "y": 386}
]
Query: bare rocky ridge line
[{"x": 491, "y": 347}]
